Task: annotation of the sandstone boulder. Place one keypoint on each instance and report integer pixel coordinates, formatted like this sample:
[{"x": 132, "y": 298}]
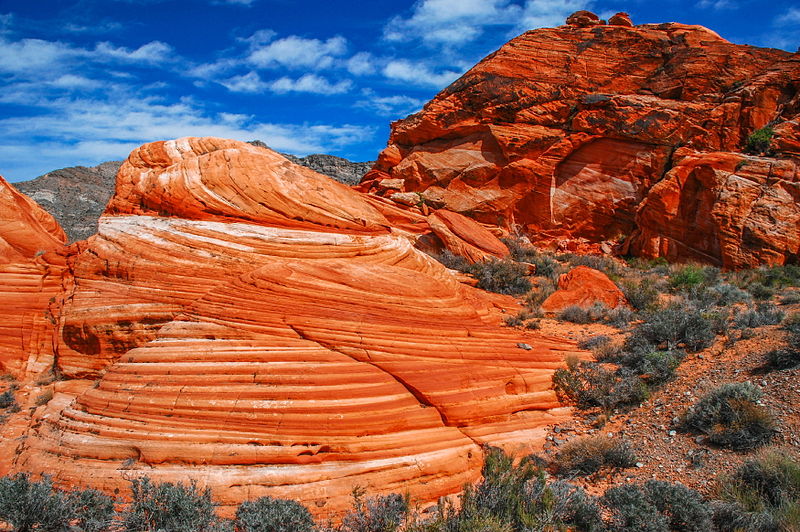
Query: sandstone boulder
[
  {"x": 249, "y": 324},
  {"x": 621, "y": 19},
  {"x": 583, "y": 19},
  {"x": 583, "y": 287}
]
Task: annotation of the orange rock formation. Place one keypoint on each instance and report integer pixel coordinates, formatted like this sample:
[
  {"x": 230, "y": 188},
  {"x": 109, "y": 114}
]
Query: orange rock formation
[
  {"x": 583, "y": 287},
  {"x": 586, "y": 131},
  {"x": 250, "y": 324},
  {"x": 30, "y": 282}
]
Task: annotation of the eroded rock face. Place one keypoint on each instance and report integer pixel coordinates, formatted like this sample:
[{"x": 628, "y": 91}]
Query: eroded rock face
[
  {"x": 255, "y": 326},
  {"x": 564, "y": 133},
  {"x": 713, "y": 205},
  {"x": 583, "y": 287},
  {"x": 30, "y": 283}
]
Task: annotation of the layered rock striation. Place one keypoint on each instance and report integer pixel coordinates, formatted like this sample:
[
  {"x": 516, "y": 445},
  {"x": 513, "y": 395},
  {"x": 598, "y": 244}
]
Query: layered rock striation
[
  {"x": 588, "y": 130},
  {"x": 250, "y": 324},
  {"x": 30, "y": 283}
]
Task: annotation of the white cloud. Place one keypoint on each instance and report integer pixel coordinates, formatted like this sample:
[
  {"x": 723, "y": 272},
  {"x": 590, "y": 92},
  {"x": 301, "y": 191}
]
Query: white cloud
[
  {"x": 395, "y": 106},
  {"x": 31, "y": 57},
  {"x": 6, "y": 19},
  {"x": 361, "y": 64},
  {"x": 452, "y": 22},
  {"x": 547, "y": 13},
  {"x": 99, "y": 27},
  {"x": 310, "y": 83},
  {"x": 791, "y": 17},
  {"x": 73, "y": 82},
  {"x": 34, "y": 55},
  {"x": 152, "y": 52},
  {"x": 91, "y": 131},
  {"x": 300, "y": 53},
  {"x": 418, "y": 73},
  {"x": 259, "y": 37},
  {"x": 250, "y": 82},
  {"x": 714, "y": 4}
]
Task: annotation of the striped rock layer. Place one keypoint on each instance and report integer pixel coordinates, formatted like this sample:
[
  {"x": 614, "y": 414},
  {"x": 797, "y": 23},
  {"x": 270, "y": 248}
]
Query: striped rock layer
[
  {"x": 30, "y": 283},
  {"x": 247, "y": 323}
]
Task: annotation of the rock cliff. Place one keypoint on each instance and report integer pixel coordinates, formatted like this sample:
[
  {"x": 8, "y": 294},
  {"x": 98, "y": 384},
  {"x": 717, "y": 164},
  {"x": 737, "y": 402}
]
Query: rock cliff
[
  {"x": 258, "y": 327},
  {"x": 615, "y": 132},
  {"x": 30, "y": 283}
]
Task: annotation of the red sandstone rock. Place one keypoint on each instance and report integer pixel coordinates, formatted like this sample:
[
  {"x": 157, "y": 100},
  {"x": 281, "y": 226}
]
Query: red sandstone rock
[
  {"x": 583, "y": 19},
  {"x": 583, "y": 287},
  {"x": 30, "y": 280},
  {"x": 563, "y": 133},
  {"x": 709, "y": 205},
  {"x": 265, "y": 343},
  {"x": 621, "y": 19}
]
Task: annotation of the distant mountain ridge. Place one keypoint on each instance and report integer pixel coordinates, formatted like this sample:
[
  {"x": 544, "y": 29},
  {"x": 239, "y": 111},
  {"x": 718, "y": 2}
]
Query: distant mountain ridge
[{"x": 77, "y": 196}]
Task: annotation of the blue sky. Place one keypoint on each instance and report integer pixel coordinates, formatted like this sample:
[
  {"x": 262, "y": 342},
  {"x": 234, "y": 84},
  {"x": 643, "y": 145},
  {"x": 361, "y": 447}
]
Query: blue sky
[{"x": 85, "y": 81}]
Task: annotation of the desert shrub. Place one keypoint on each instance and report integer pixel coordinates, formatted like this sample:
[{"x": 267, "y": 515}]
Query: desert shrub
[
  {"x": 760, "y": 291},
  {"x": 762, "y": 314},
  {"x": 533, "y": 324},
  {"x": 641, "y": 295},
  {"x": 655, "y": 367},
  {"x": 7, "y": 399},
  {"x": 501, "y": 276},
  {"x": 619, "y": 317},
  {"x": 580, "y": 315},
  {"x": 34, "y": 505},
  {"x": 546, "y": 265},
  {"x": 719, "y": 295},
  {"x": 686, "y": 277},
  {"x": 93, "y": 510},
  {"x": 728, "y": 294},
  {"x": 731, "y": 418},
  {"x": 572, "y": 506},
  {"x": 575, "y": 314},
  {"x": 536, "y": 296},
  {"x": 588, "y": 384},
  {"x": 763, "y": 494},
  {"x": 759, "y": 140},
  {"x": 515, "y": 497},
  {"x": 513, "y": 321},
  {"x": 594, "y": 341},
  {"x": 588, "y": 454},
  {"x": 601, "y": 263},
  {"x": 448, "y": 259},
  {"x": 631, "y": 510},
  {"x": 790, "y": 298},
  {"x": 792, "y": 327},
  {"x": 168, "y": 506},
  {"x": 733, "y": 517},
  {"x": 778, "y": 359},
  {"x": 375, "y": 514},
  {"x": 684, "y": 508},
  {"x": 267, "y": 514},
  {"x": 31, "y": 505},
  {"x": 671, "y": 327}
]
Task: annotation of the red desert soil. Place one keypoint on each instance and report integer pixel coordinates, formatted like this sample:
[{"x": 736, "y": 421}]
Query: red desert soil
[{"x": 676, "y": 456}]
